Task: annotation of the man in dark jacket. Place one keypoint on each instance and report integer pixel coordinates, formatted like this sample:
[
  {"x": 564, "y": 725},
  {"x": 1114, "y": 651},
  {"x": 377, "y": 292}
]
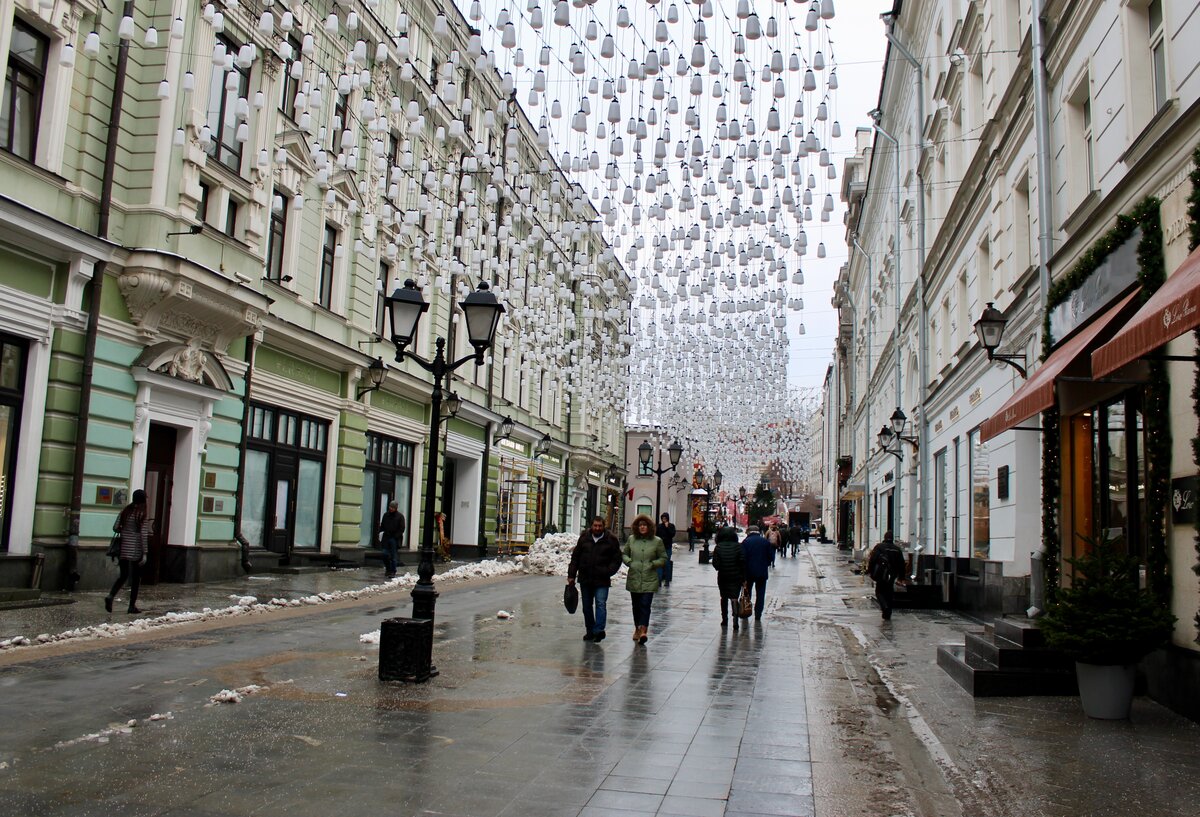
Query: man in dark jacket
[
  {"x": 760, "y": 557},
  {"x": 391, "y": 530},
  {"x": 595, "y": 560},
  {"x": 885, "y": 565},
  {"x": 666, "y": 532}
]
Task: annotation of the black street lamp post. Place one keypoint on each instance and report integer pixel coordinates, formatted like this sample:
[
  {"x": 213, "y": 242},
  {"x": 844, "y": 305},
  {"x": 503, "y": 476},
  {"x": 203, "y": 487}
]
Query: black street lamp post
[
  {"x": 405, "y": 307},
  {"x": 675, "y": 451}
]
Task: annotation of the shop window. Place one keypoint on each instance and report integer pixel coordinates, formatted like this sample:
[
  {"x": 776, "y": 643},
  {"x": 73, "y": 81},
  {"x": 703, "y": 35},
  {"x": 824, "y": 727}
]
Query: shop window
[
  {"x": 284, "y": 479},
  {"x": 226, "y": 87},
  {"x": 12, "y": 379},
  {"x": 981, "y": 500},
  {"x": 24, "y": 84},
  {"x": 387, "y": 477}
]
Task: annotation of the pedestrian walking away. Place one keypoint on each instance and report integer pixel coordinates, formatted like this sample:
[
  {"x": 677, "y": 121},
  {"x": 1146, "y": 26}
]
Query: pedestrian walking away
[
  {"x": 760, "y": 558},
  {"x": 730, "y": 564},
  {"x": 666, "y": 532},
  {"x": 643, "y": 554},
  {"x": 133, "y": 527},
  {"x": 775, "y": 537},
  {"x": 391, "y": 530},
  {"x": 885, "y": 566},
  {"x": 594, "y": 561},
  {"x": 796, "y": 535}
]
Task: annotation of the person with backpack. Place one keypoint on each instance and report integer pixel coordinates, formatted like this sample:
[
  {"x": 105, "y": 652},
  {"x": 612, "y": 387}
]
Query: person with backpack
[{"x": 885, "y": 565}]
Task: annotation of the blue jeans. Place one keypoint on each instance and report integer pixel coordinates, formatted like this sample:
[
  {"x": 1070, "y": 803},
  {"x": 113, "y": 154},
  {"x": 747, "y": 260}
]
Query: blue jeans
[
  {"x": 641, "y": 608},
  {"x": 760, "y": 593},
  {"x": 592, "y": 596},
  {"x": 388, "y": 546}
]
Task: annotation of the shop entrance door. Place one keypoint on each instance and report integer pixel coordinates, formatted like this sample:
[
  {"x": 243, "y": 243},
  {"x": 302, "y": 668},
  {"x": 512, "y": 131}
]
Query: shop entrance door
[
  {"x": 283, "y": 507},
  {"x": 160, "y": 472},
  {"x": 12, "y": 380}
]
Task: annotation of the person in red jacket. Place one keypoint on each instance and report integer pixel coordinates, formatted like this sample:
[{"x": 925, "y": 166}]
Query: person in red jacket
[{"x": 594, "y": 561}]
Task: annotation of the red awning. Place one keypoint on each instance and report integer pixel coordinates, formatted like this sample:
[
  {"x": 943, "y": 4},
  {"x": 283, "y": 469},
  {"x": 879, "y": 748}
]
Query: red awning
[
  {"x": 1171, "y": 311},
  {"x": 1037, "y": 393}
]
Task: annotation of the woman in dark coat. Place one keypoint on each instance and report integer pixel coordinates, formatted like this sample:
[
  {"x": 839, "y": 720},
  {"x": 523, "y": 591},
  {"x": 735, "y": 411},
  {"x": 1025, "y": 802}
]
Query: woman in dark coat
[
  {"x": 727, "y": 558},
  {"x": 134, "y": 526}
]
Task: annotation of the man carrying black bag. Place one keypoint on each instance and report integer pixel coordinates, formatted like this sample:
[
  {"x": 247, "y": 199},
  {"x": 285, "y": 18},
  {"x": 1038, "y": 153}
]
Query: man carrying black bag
[
  {"x": 885, "y": 566},
  {"x": 595, "y": 560}
]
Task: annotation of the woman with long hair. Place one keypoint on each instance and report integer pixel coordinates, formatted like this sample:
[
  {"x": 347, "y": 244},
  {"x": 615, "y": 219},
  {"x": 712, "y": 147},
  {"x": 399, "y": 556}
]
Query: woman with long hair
[
  {"x": 133, "y": 526},
  {"x": 643, "y": 554}
]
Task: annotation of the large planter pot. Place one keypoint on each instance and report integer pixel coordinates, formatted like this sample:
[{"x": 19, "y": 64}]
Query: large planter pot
[{"x": 1106, "y": 691}]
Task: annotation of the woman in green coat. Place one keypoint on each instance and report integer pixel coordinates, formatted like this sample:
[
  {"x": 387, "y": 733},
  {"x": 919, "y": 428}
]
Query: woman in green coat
[{"x": 643, "y": 554}]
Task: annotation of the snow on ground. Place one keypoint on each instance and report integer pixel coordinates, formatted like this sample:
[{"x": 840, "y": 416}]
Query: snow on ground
[{"x": 550, "y": 555}]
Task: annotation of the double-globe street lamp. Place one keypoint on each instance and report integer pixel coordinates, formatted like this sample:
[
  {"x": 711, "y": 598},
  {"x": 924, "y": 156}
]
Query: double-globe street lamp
[
  {"x": 645, "y": 451},
  {"x": 405, "y": 307}
]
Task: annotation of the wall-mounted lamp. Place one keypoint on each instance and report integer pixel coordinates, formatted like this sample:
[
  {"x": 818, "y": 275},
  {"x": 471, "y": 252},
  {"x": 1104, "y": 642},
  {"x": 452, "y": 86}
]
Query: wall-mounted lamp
[
  {"x": 451, "y": 403},
  {"x": 990, "y": 329},
  {"x": 891, "y": 436},
  {"x": 375, "y": 376},
  {"x": 505, "y": 430},
  {"x": 543, "y": 446}
]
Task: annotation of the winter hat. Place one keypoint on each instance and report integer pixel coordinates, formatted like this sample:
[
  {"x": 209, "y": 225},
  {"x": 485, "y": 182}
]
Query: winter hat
[{"x": 139, "y": 497}]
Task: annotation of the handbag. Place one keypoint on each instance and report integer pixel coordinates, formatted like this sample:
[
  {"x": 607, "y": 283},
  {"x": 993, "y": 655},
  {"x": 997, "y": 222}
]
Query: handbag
[
  {"x": 571, "y": 598},
  {"x": 114, "y": 547},
  {"x": 745, "y": 605}
]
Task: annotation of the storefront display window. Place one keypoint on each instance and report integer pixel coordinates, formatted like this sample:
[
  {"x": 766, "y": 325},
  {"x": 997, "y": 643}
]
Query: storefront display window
[
  {"x": 284, "y": 479},
  {"x": 387, "y": 477},
  {"x": 981, "y": 499},
  {"x": 1108, "y": 476}
]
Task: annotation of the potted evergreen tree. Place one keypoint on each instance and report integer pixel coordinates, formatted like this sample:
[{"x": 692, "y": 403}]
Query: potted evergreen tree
[{"x": 1107, "y": 623}]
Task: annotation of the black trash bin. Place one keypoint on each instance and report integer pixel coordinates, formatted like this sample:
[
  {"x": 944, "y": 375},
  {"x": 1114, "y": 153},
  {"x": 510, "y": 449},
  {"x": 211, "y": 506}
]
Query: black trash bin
[{"x": 406, "y": 650}]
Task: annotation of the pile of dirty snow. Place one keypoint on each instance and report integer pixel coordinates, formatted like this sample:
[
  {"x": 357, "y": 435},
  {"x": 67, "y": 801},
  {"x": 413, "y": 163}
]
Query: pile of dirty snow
[
  {"x": 551, "y": 555},
  {"x": 249, "y": 605}
]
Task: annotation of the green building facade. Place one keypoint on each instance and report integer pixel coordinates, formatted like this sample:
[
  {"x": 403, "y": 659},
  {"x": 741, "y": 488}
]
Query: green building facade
[{"x": 240, "y": 224}]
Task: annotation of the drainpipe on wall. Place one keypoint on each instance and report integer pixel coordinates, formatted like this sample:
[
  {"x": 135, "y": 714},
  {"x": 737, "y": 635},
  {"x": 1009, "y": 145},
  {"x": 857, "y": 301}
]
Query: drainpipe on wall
[
  {"x": 1041, "y": 121},
  {"x": 241, "y": 471},
  {"x": 923, "y": 323},
  {"x": 93, "y": 324},
  {"x": 866, "y": 396},
  {"x": 897, "y": 507}
]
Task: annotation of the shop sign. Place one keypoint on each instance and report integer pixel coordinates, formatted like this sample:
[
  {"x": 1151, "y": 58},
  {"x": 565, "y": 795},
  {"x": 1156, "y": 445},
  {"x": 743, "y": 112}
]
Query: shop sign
[
  {"x": 594, "y": 474},
  {"x": 552, "y": 459},
  {"x": 1114, "y": 275},
  {"x": 1183, "y": 500}
]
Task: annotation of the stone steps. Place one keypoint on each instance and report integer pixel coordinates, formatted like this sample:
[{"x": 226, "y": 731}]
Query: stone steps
[{"x": 1008, "y": 658}]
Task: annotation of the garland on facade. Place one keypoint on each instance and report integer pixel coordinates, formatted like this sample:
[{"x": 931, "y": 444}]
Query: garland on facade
[
  {"x": 1193, "y": 243},
  {"x": 1151, "y": 274}
]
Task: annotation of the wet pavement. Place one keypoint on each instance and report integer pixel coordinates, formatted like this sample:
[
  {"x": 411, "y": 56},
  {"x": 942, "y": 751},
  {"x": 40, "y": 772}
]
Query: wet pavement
[{"x": 820, "y": 709}]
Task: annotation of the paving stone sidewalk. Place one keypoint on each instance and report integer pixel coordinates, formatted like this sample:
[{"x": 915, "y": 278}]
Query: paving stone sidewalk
[{"x": 819, "y": 710}]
